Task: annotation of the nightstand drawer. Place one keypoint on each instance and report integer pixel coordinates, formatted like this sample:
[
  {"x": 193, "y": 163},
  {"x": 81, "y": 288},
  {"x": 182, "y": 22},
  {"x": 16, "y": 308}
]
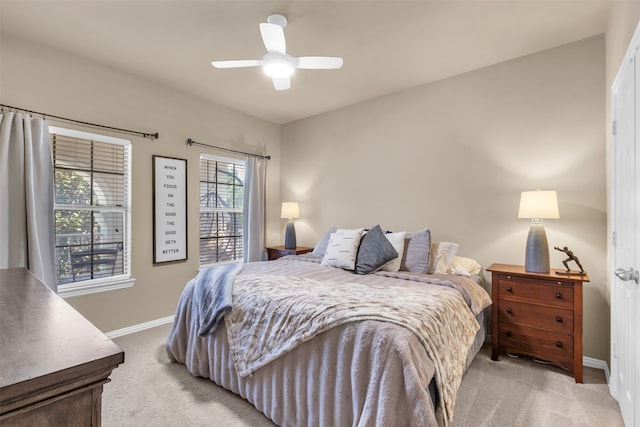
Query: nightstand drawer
[
  {"x": 554, "y": 293},
  {"x": 552, "y": 346},
  {"x": 537, "y": 316}
]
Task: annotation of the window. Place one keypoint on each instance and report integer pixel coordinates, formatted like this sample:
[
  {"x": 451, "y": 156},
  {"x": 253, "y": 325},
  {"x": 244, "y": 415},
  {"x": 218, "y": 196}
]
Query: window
[
  {"x": 221, "y": 210},
  {"x": 91, "y": 212}
]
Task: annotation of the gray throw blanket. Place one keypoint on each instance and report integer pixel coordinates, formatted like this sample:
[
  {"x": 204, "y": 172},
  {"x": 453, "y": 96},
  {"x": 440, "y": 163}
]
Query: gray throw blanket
[
  {"x": 212, "y": 295},
  {"x": 272, "y": 315}
]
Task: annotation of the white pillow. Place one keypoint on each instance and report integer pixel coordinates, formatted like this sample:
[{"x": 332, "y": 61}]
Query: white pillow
[
  {"x": 397, "y": 241},
  {"x": 343, "y": 249},
  {"x": 441, "y": 257},
  {"x": 464, "y": 266}
]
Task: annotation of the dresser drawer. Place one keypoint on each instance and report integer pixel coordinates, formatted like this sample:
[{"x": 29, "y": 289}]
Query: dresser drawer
[
  {"x": 552, "y": 346},
  {"x": 556, "y": 293},
  {"x": 537, "y": 316}
]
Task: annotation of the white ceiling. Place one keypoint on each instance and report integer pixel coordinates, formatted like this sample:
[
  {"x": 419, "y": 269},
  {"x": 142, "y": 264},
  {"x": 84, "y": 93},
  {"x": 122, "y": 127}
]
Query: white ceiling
[{"x": 387, "y": 46}]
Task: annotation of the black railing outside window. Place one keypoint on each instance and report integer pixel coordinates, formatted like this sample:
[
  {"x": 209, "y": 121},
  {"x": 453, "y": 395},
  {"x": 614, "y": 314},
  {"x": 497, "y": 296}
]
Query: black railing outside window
[
  {"x": 90, "y": 208},
  {"x": 221, "y": 211}
]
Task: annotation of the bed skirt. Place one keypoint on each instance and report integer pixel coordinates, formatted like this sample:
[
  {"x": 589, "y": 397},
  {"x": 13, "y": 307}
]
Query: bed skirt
[{"x": 354, "y": 375}]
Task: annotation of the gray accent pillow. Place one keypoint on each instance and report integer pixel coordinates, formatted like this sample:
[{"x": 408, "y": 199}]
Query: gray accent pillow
[
  {"x": 321, "y": 247},
  {"x": 417, "y": 253},
  {"x": 374, "y": 252}
]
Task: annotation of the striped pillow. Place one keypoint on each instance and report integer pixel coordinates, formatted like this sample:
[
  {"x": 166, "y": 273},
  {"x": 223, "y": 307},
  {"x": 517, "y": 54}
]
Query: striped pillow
[
  {"x": 417, "y": 252},
  {"x": 343, "y": 249}
]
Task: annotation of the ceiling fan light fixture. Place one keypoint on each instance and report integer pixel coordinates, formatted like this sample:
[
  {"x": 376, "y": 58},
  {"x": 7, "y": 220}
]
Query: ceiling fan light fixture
[
  {"x": 277, "y": 63},
  {"x": 278, "y": 67}
]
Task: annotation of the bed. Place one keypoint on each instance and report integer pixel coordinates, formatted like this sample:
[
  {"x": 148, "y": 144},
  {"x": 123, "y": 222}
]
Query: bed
[{"x": 309, "y": 344}]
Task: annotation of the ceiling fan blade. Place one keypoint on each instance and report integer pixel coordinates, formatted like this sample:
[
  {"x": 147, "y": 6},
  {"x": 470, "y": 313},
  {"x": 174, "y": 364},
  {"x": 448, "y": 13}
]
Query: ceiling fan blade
[
  {"x": 281, "y": 83},
  {"x": 319, "y": 62},
  {"x": 239, "y": 63},
  {"x": 273, "y": 37}
]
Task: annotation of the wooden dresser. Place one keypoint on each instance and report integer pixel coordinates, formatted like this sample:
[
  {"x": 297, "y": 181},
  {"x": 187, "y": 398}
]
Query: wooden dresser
[
  {"x": 538, "y": 314},
  {"x": 53, "y": 361},
  {"x": 275, "y": 252}
]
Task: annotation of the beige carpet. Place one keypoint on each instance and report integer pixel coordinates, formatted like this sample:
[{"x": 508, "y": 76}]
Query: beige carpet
[{"x": 149, "y": 390}]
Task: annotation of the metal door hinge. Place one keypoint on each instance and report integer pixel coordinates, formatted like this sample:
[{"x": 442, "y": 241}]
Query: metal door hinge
[{"x": 614, "y": 127}]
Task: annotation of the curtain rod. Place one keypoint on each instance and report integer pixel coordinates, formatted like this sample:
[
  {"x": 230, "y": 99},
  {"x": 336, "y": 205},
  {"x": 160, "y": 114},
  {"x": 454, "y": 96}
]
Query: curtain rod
[
  {"x": 192, "y": 142},
  {"x": 152, "y": 136}
]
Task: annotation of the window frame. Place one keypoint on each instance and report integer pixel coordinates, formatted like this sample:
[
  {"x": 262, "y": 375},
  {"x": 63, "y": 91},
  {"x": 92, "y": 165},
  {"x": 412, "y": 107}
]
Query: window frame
[
  {"x": 121, "y": 281},
  {"x": 234, "y": 160}
]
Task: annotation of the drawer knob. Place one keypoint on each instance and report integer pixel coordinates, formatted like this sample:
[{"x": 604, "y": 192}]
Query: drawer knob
[
  {"x": 509, "y": 333},
  {"x": 509, "y": 310},
  {"x": 558, "y": 344},
  {"x": 509, "y": 277},
  {"x": 559, "y": 295},
  {"x": 509, "y": 289},
  {"x": 559, "y": 319}
]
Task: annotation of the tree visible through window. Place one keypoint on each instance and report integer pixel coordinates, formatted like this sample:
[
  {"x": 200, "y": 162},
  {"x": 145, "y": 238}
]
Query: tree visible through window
[
  {"x": 70, "y": 224},
  {"x": 221, "y": 210},
  {"x": 91, "y": 208}
]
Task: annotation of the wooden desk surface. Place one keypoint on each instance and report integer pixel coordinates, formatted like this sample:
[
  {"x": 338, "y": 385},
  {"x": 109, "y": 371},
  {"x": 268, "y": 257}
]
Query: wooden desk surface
[{"x": 45, "y": 343}]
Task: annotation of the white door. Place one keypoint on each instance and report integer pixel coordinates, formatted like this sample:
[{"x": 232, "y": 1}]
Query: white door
[{"x": 625, "y": 296}]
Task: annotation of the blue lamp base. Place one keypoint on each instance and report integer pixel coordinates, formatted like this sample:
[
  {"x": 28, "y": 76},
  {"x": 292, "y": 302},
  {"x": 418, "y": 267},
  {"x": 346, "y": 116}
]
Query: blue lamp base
[
  {"x": 290, "y": 236},
  {"x": 537, "y": 254}
]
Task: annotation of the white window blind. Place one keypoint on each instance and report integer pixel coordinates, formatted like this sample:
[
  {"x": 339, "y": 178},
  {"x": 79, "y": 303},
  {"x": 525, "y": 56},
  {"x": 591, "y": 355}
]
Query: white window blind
[
  {"x": 92, "y": 213},
  {"x": 221, "y": 210}
]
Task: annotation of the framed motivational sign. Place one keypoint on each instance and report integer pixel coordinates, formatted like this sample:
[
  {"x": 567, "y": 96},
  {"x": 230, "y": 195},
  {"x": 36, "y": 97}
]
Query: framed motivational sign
[{"x": 169, "y": 209}]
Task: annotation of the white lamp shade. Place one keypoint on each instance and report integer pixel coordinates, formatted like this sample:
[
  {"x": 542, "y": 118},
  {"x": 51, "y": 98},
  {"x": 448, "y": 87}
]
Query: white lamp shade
[
  {"x": 538, "y": 204},
  {"x": 290, "y": 210}
]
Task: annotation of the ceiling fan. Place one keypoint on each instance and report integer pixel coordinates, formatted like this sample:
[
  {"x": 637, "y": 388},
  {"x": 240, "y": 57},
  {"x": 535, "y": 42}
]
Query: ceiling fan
[{"x": 277, "y": 63}]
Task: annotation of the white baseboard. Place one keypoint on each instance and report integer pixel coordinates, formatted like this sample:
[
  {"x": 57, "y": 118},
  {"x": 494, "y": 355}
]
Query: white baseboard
[
  {"x": 598, "y": 364},
  {"x": 139, "y": 327}
]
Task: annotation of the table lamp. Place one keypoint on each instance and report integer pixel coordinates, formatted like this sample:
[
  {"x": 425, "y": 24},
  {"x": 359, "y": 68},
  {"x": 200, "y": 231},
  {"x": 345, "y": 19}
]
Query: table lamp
[
  {"x": 538, "y": 205},
  {"x": 290, "y": 210}
]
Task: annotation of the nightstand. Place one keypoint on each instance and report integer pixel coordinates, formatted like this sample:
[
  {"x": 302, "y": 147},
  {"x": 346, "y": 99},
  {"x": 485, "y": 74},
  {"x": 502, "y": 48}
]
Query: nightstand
[
  {"x": 275, "y": 252},
  {"x": 538, "y": 314}
]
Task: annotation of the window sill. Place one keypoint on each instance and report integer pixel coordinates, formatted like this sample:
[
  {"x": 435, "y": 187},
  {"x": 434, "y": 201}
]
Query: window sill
[{"x": 87, "y": 287}]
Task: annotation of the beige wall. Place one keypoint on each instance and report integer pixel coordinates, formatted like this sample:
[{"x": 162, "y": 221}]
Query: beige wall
[
  {"x": 452, "y": 156},
  {"x": 46, "y": 80},
  {"x": 455, "y": 155},
  {"x": 623, "y": 20}
]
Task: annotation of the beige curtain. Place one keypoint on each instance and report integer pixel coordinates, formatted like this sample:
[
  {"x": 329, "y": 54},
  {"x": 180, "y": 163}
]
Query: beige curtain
[
  {"x": 27, "y": 233},
  {"x": 255, "y": 208}
]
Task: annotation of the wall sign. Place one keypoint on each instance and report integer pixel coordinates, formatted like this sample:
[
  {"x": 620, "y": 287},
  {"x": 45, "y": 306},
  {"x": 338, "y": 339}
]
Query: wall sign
[{"x": 169, "y": 209}]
